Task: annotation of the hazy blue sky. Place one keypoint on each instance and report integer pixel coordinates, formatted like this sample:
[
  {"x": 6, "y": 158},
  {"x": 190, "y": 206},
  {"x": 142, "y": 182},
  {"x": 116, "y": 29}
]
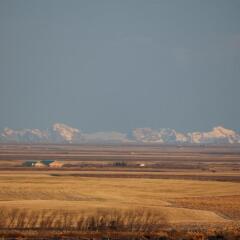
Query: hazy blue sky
[{"x": 117, "y": 65}]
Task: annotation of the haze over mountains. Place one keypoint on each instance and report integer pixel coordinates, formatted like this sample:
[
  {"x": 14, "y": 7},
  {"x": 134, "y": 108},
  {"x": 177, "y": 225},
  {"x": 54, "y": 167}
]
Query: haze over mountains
[{"x": 62, "y": 133}]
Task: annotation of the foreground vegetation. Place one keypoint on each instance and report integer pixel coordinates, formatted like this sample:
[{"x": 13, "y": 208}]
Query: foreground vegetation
[
  {"x": 104, "y": 224},
  {"x": 35, "y": 205},
  {"x": 101, "y": 220},
  {"x": 180, "y": 193}
]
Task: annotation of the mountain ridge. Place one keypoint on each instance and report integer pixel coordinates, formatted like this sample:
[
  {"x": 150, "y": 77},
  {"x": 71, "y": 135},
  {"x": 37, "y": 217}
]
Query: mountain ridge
[{"x": 62, "y": 133}]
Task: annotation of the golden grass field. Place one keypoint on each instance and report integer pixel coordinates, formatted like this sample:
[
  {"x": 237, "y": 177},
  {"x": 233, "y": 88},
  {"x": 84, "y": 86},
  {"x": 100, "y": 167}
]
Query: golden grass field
[
  {"x": 180, "y": 201},
  {"x": 201, "y": 191}
]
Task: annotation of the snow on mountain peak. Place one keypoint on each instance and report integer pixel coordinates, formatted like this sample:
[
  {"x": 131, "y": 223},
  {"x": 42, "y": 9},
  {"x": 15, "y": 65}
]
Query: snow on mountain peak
[
  {"x": 222, "y": 132},
  {"x": 62, "y": 133},
  {"x": 217, "y": 135},
  {"x": 24, "y": 135},
  {"x": 66, "y": 132}
]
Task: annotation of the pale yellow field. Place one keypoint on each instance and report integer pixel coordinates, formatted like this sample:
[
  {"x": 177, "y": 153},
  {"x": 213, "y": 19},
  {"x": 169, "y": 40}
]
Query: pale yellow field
[{"x": 40, "y": 190}]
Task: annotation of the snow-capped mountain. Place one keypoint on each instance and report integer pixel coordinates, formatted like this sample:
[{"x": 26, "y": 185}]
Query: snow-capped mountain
[
  {"x": 216, "y": 136},
  {"x": 165, "y": 135},
  {"x": 62, "y": 133},
  {"x": 24, "y": 135}
]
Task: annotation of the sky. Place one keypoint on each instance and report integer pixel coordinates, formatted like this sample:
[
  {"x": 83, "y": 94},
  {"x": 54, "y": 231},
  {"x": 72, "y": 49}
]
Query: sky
[{"x": 116, "y": 65}]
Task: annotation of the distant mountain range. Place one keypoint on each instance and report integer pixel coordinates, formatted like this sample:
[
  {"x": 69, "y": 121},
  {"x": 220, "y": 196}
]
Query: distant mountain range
[{"x": 62, "y": 133}]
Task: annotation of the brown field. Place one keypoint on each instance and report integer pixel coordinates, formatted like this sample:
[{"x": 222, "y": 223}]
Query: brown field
[{"x": 184, "y": 188}]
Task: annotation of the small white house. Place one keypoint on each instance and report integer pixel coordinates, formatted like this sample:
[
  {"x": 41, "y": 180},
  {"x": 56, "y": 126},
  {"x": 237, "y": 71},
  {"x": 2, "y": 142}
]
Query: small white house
[{"x": 39, "y": 164}]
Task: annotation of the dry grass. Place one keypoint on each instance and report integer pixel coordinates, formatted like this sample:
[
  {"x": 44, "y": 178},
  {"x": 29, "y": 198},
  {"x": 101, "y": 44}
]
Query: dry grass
[
  {"x": 40, "y": 190},
  {"x": 101, "y": 220},
  {"x": 103, "y": 224},
  {"x": 226, "y": 206},
  {"x": 96, "y": 202}
]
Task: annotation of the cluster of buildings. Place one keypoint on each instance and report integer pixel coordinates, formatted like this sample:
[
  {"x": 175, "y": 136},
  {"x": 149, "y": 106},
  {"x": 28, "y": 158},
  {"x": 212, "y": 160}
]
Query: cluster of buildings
[
  {"x": 43, "y": 163},
  {"x": 60, "y": 164}
]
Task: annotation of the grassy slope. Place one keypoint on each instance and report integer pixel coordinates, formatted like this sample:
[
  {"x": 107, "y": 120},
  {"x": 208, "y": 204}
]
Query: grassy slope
[{"x": 42, "y": 191}]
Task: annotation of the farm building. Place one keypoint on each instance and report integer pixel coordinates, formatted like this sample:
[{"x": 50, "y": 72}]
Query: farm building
[
  {"x": 29, "y": 163},
  {"x": 39, "y": 164},
  {"x": 43, "y": 163},
  {"x": 47, "y": 162},
  {"x": 56, "y": 164}
]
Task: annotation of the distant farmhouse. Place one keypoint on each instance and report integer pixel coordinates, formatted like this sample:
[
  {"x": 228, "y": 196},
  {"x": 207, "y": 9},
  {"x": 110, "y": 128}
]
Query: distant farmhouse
[
  {"x": 56, "y": 164},
  {"x": 43, "y": 163},
  {"x": 39, "y": 164}
]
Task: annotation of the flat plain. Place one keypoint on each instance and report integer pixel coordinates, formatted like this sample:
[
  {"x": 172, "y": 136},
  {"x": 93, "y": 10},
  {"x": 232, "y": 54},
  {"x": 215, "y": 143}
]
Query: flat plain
[{"x": 183, "y": 185}]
